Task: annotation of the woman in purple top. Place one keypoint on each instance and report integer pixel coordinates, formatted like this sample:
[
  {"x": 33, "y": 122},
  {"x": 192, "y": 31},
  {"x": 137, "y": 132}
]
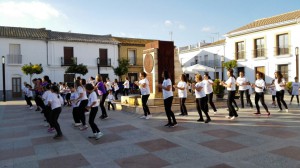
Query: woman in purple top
[{"x": 103, "y": 94}]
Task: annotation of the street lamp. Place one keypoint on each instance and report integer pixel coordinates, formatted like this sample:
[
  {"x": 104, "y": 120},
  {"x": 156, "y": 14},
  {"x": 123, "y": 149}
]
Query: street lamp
[
  {"x": 3, "y": 75},
  {"x": 297, "y": 61},
  {"x": 98, "y": 65},
  {"x": 222, "y": 61}
]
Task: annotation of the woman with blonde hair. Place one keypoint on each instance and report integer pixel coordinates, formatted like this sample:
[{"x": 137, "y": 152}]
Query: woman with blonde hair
[{"x": 201, "y": 99}]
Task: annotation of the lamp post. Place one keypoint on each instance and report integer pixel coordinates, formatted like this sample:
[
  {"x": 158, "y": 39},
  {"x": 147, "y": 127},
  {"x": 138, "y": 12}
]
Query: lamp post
[
  {"x": 297, "y": 61},
  {"x": 3, "y": 75},
  {"x": 98, "y": 65},
  {"x": 222, "y": 61}
]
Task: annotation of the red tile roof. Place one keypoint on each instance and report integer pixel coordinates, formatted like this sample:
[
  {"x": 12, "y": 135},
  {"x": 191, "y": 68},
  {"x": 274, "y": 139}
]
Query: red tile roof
[{"x": 290, "y": 16}]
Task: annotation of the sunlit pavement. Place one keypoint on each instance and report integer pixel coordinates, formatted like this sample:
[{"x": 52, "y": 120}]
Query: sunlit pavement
[{"x": 128, "y": 141}]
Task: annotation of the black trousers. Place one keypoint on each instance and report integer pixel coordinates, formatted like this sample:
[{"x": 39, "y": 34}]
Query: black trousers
[
  {"x": 297, "y": 96},
  {"x": 28, "y": 100},
  {"x": 39, "y": 102},
  {"x": 145, "y": 106},
  {"x": 246, "y": 92},
  {"x": 201, "y": 105},
  {"x": 110, "y": 104},
  {"x": 280, "y": 99},
  {"x": 75, "y": 113},
  {"x": 92, "y": 116},
  {"x": 81, "y": 111},
  {"x": 125, "y": 91},
  {"x": 182, "y": 106},
  {"x": 47, "y": 115},
  {"x": 54, "y": 117},
  {"x": 261, "y": 97},
  {"x": 210, "y": 97},
  {"x": 102, "y": 100},
  {"x": 230, "y": 99},
  {"x": 170, "y": 115},
  {"x": 116, "y": 94}
]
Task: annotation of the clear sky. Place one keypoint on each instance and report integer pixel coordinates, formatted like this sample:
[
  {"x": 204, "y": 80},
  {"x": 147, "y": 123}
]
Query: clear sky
[{"x": 190, "y": 21}]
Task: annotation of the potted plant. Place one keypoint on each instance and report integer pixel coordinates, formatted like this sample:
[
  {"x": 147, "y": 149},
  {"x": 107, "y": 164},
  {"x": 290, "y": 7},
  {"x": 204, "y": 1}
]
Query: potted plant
[
  {"x": 218, "y": 89},
  {"x": 289, "y": 87}
]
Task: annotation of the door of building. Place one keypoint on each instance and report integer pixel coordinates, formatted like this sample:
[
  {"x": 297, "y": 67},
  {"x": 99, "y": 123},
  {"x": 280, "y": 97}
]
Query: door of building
[
  {"x": 261, "y": 70},
  {"x": 16, "y": 87}
]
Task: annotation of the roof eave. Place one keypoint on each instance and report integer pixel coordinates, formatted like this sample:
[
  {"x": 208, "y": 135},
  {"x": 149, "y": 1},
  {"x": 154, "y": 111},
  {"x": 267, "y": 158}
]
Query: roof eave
[{"x": 261, "y": 28}]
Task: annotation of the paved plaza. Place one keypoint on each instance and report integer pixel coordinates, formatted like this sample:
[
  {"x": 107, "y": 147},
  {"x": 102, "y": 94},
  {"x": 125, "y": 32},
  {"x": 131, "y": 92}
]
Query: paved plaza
[{"x": 247, "y": 142}]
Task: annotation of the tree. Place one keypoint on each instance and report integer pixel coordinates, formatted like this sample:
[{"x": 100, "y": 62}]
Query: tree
[
  {"x": 122, "y": 69},
  {"x": 30, "y": 69},
  {"x": 77, "y": 69},
  {"x": 230, "y": 64}
]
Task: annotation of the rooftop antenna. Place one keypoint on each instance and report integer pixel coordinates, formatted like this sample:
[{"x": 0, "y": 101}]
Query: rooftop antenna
[
  {"x": 218, "y": 34},
  {"x": 171, "y": 34}
]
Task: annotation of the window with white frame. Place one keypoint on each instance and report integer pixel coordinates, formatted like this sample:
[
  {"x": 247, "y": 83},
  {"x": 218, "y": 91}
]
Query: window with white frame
[
  {"x": 259, "y": 47},
  {"x": 14, "y": 56},
  {"x": 282, "y": 44},
  {"x": 132, "y": 57},
  {"x": 240, "y": 50}
]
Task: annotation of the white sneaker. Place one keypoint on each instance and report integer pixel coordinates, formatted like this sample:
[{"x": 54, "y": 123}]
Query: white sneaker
[
  {"x": 232, "y": 118},
  {"x": 99, "y": 135},
  {"x": 228, "y": 117},
  {"x": 46, "y": 125},
  {"x": 93, "y": 136},
  {"x": 148, "y": 117},
  {"x": 77, "y": 124},
  {"x": 143, "y": 117},
  {"x": 287, "y": 110},
  {"x": 83, "y": 128},
  {"x": 279, "y": 110},
  {"x": 215, "y": 112},
  {"x": 31, "y": 108}
]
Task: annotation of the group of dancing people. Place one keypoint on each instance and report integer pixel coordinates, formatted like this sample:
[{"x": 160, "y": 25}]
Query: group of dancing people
[
  {"x": 203, "y": 89},
  {"x": 82, "y": 96}
]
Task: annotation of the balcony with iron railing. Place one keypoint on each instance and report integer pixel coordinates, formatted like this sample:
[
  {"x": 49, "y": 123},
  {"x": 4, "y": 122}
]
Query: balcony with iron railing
[
  {"x": 209, "y": 63},
  {"x": 14, "y": 59},
  {"x": 282, "y": 50},
  {"x": 68, "y": 61},
  {"x": 259, "y": 53},
  {"x": 103, "y": 62},
  {"x": 240, "y": 55}
]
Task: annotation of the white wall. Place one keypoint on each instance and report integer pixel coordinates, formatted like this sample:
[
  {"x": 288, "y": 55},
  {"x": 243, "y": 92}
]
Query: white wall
[
  {"x": 35, "y": 51},
  {"x": 270, "y": 62}
]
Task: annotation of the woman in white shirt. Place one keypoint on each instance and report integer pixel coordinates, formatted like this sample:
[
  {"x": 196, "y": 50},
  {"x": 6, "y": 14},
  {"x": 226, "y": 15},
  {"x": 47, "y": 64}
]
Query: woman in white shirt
[
  {"x": 243, "y": 83},
  {"x": 295, "y": 90},
  {"x": 230, "y": 85},
  {"x": 116, "y": 88},
  {"x": 166, "y": 87},
  {"x": 208, "y": 89},
  {"x": 145, "y": 91},
  {"x": 182, "y": 94},
  {"x": 93, "y": 107},
  {"x": 259, "y": 93},
  {"x": 55, "y": 101},
  {"x": 280, "y": 86},
  {"x": 126, "y": 87},
  {"x": 201, "y": 99},
  {"x": 82, "y": 100}
]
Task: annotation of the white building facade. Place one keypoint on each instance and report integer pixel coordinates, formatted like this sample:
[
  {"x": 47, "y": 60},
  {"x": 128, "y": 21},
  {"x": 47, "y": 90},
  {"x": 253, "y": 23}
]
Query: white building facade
[
  {"x": 207, "y": 54},
  {"x": 55, "y": 51},
  {"x": 266, "y": 45}
]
